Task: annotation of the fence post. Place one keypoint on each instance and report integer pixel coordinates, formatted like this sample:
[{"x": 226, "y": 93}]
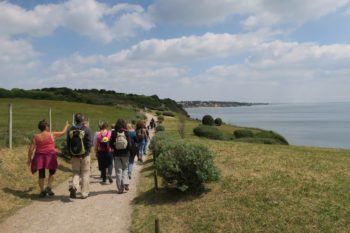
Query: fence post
[
  {"x": 10, "y": 126},
  {"x": 50, "y": 120},
  {"x": 156, "y": 180},
  {"x": 157, "y": 225}
]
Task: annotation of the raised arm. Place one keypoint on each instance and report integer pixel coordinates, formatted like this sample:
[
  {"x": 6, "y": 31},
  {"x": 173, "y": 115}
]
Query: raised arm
[
  {"x": 59, "y": 134},
  {"x": 30, "y": 151}
]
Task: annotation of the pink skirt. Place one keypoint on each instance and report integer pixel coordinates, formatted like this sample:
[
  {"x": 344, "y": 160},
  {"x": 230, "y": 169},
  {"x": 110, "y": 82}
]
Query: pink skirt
[{"x": 44, "y": 160}]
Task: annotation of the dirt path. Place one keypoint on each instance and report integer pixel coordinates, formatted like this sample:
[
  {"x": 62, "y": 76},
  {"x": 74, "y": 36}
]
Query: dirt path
[{"x": 103, "y": 211}]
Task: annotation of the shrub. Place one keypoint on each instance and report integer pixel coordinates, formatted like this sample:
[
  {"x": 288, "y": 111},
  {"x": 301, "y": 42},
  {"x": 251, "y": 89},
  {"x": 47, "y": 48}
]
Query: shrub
[
  {"x": 218, "y": 121},
  {"x": 208, "y": 132},
  {"x": 160, "y": 128},
  {"x": 243, "y": 133},
  {"x": 188, "y": 166},
  {"x": 168, "y": 113},
  {"x": 272, "y": 135},
  {"x": 160, "y": 119},
  {"x": 159, "y": 142},
  {"x": 159, "y": 113},
  {"x": 207, "y": 120}
]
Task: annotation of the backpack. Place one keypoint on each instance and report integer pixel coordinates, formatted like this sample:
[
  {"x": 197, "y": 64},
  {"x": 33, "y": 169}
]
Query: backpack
[
  {"x": 76, "y": 145},
  {"x": 104, "y": 143},
  {"x": 120, "y": 141}
]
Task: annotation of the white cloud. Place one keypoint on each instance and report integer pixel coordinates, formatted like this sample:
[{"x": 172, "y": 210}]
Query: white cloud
[{"x": 86, "y": 17}]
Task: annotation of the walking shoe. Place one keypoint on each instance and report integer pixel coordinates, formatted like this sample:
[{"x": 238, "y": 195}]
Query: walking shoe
[
  {"x": 126, "y": 187},
  {"x": 84, "y": 197},
  {"x": 48, "y": 190},
  {"x": 129, "y": 177},
  {"x": 110, "y": 179},
  {"x": 73, "y": 192},
  {"x": 42, "y": 194}
]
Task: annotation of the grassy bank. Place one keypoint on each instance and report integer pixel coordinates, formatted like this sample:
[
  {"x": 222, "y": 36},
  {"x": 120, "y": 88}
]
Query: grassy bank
[
  {"x": 27, "y": 113},
  {"x": 263, "y": 188}
]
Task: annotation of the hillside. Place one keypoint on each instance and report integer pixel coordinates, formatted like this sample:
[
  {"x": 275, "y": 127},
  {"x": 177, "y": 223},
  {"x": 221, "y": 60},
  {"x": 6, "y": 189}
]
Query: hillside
[
  {"x": 94, "y": 96},
  {"x": 262, "y": 188}
]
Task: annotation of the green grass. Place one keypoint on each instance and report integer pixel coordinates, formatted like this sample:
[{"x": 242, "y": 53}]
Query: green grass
[
  {"x": 263, "y": 188},
  {"x": 27, "y": 113}
]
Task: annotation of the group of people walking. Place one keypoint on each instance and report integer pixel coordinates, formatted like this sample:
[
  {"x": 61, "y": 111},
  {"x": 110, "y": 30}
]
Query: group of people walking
[{"x": 119, "y": 146}]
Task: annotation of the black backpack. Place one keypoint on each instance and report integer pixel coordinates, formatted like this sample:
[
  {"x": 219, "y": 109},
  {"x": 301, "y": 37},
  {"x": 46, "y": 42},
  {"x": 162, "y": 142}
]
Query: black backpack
[{"x": 76, "y": 142}]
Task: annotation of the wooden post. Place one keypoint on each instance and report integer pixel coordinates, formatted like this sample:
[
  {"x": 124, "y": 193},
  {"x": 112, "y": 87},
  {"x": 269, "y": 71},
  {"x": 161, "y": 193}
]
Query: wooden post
[
  {"x": 50, "y": 120},
  {"x": 10, "y": 126},
  {"x": 157, "y": 226},
  {"x": 156, "y": 180}
]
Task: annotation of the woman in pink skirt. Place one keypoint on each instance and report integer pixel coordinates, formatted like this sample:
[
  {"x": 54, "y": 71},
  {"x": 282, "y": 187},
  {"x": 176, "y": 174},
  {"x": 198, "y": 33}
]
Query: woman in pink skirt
[{"x": 45, "y": 156}]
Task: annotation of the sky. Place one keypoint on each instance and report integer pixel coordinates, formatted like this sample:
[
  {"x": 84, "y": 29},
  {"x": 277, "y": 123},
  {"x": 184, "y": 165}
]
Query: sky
[{"x": 228, "y": 50}]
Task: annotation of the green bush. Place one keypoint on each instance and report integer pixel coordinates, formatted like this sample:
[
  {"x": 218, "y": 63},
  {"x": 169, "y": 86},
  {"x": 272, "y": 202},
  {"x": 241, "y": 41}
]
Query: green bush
[
  {"x": 208, "y": 132},
  {"x": 160, "y": 128},
  {"x": 159, "y": 142},
  {"x": 272, "y": 135},
  {"x": 159, "y": 113},
  {"x": 218, "y": 121},
  {"x": 243, "y": 133},
  {"x": 188, "y": 166},
  {"x": 207, "y": 120},
  {"x": 160, "y": 119},
  {"x": 168, "y": 113}
]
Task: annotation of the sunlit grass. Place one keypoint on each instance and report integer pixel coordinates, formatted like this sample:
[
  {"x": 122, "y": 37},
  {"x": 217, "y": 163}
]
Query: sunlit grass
[{"x": 263, "y": 188}]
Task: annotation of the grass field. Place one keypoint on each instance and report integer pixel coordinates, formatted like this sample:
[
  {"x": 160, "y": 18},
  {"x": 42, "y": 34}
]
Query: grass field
[
  {"x": 18, "y": 187},
  {"x": 262, "y": 188},
  {"x": 27, "y": 113}
]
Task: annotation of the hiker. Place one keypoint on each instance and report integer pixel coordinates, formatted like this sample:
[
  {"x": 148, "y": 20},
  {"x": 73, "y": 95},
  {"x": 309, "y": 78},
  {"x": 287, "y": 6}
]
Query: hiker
[
  {"x": 141, "y": 138},
  {"x": 79, "y": 145},
  {"x": 45, "y": 156},
  {"x": 134, "y": 149},
  {"x": 147, "y": 139},
  {"x": 121, "y": 144},
  {"x": 152, "y": 123},
  {"x": 94, "y": 145},
  {"x": 103, "y": 153}
]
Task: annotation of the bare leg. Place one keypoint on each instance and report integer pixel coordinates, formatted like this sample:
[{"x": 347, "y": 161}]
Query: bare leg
[
  {"x": 50, "y": 180},
  {"x": 41, "y": 184}
]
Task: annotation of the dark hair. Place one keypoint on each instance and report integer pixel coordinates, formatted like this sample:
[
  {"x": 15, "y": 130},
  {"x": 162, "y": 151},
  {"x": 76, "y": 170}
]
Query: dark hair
[
  {"x": 104, "y": 125},
  {"x": 42, "y": 125},
  {"x": 120, "y": 124},
  {"x": 78, "y": 118},
  {"x": 140, "y": 124}
]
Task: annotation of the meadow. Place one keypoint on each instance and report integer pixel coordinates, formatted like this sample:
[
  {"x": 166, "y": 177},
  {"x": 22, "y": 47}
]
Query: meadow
[
  {"x": 262, "y": 188},
  {"x": 27, "y": 113}
]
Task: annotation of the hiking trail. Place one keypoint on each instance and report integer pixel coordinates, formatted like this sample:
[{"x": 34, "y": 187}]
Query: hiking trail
[{"x": 103, "y": 211}]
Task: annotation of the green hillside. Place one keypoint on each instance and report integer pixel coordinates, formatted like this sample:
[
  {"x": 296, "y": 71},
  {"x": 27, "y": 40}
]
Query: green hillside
[
  {"x": 27, "y": 113},
  {"x": 262, "y": 188}
]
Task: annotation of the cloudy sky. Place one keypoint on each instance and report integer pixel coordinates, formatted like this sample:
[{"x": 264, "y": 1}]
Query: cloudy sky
[{"x": 251, "y": 50}]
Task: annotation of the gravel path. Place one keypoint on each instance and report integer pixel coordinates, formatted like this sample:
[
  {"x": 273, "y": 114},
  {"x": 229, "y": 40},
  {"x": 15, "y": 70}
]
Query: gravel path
[{"x": 103, "y": 211}]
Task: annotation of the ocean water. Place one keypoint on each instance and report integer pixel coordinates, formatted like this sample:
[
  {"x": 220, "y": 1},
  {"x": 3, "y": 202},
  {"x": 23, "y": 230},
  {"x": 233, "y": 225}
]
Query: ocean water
[{"x": 321, "y": 124}]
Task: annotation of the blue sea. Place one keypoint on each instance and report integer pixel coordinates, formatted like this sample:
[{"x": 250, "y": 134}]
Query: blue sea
[{"x": 321, "y": 124}]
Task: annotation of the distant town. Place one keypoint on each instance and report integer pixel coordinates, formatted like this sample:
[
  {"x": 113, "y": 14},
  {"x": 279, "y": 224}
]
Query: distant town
[{"x": 197, "y": 104}]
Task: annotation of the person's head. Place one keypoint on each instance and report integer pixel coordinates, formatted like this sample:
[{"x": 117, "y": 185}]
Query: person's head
[
  {"x": 103, "y": 126},
  {"x": 120, "y": 124},
  {"x": 140, "y": 124},
  {"x": 112, "y": 126},
  {"x": 43, "y": 125},
  {"x": 129, "y": 127},
  {"x": 78, "y": 118}
]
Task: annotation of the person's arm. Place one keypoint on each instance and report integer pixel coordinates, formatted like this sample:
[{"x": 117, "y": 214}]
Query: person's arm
[
  {"x": 30, "y": 151},
  {"x": 88, "y": 140},
  {"x": 64, "y": 130},
  {"x": 112, "y": 140}
]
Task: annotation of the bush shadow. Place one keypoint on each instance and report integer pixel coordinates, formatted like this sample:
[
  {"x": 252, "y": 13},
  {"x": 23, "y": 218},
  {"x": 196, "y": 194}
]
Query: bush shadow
[{"x": 167, "y": 196}]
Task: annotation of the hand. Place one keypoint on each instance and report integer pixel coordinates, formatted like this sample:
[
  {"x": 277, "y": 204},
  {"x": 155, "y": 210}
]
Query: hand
[{"x": 67, "y": 124}]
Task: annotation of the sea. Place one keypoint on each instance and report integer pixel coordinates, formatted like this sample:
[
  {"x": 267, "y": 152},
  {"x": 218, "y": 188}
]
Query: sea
[{"x": 306, "y": 124}]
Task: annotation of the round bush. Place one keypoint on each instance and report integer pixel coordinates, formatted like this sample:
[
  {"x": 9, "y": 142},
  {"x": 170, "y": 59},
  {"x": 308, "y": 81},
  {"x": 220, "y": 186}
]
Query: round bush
[
  {"x": 159, "y": 113},
  {"x": 207, "y": 120},
  {"x": 160, "y": 119},
  {"x": 160, "y": 128},
  {"x": 188, "y": 166},
  {"x": 208, "y": 132},
  {"x": 272, "y": 135},
  {"x": 243, "y": 133},
  {"x": 218, "y": 121}
]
